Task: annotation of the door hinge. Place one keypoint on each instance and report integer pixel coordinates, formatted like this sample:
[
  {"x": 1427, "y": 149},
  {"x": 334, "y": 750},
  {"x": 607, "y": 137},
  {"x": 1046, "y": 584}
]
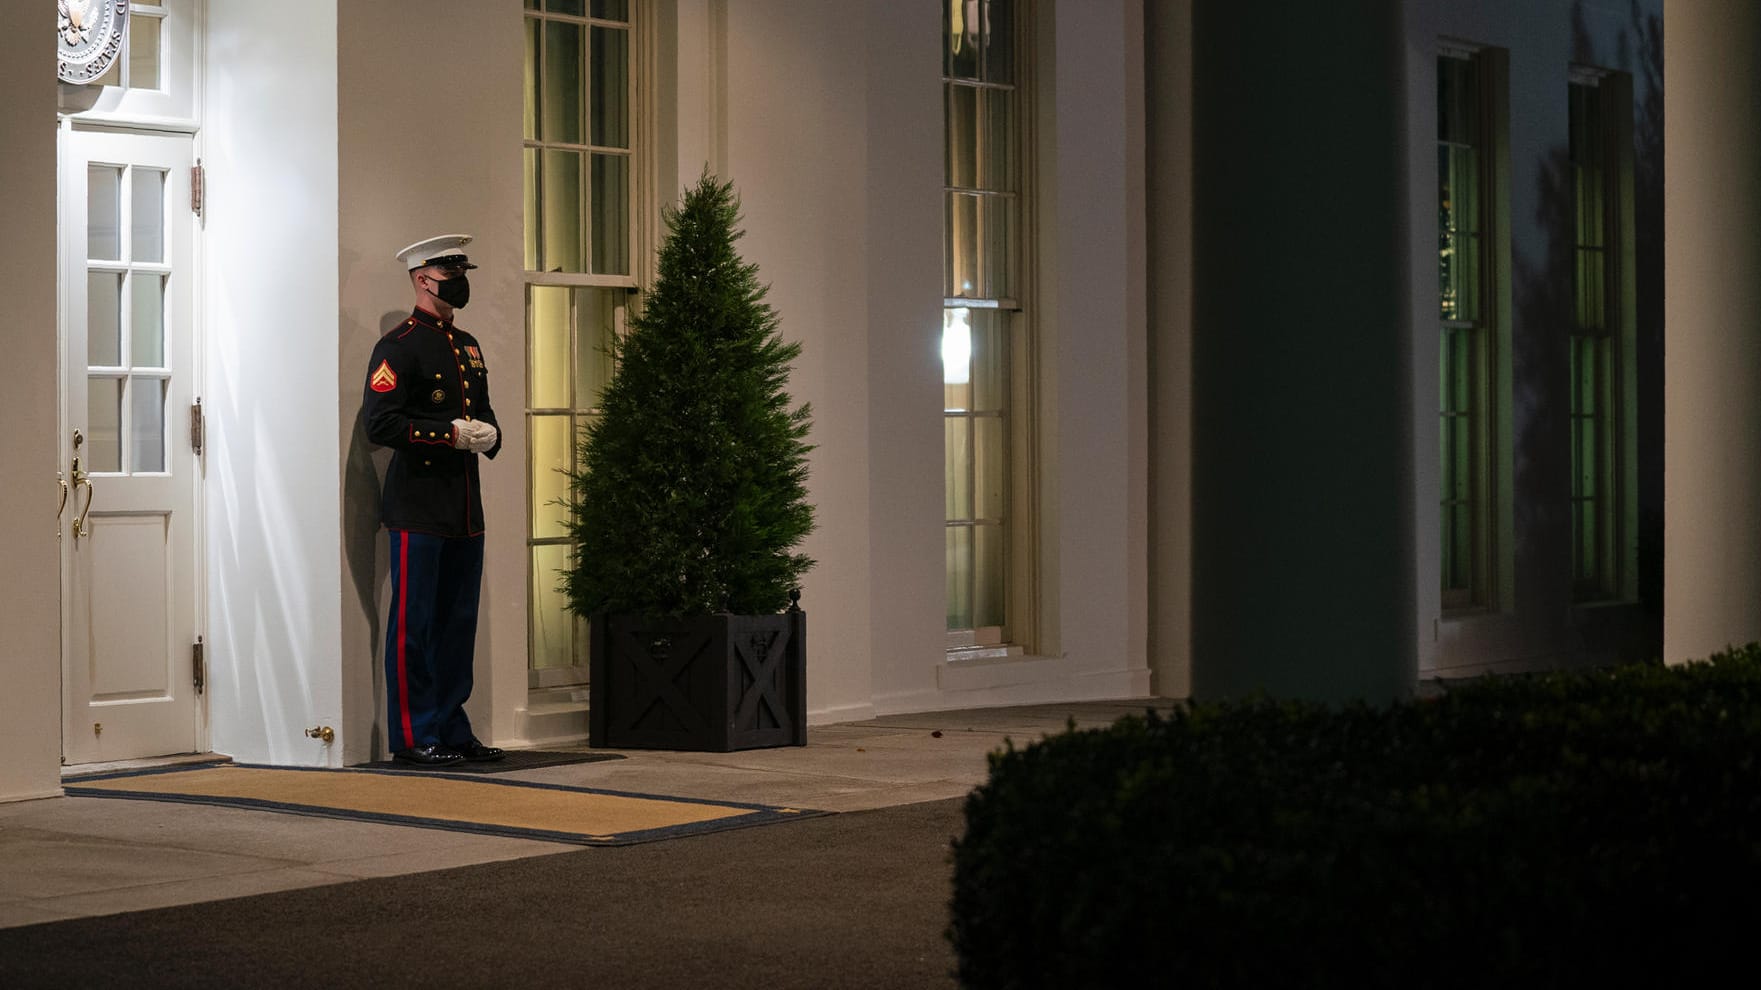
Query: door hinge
[
  {"x": 199, "y": 667},
  {"x": 196, "y": 176},
  {"x": 196, "y": 427}
]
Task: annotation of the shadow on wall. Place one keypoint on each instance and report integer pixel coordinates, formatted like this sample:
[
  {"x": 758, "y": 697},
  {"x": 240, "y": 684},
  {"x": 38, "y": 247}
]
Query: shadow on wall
[
  {"x": 1543, "y": 299},
  {"x": 1635, "y": 48},
  {"x": 1647, "y": 71},
  {"x": 363, "y": 477}
]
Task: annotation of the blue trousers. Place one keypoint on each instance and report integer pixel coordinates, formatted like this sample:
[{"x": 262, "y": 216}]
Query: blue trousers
[{"x": 429, "y": 637}]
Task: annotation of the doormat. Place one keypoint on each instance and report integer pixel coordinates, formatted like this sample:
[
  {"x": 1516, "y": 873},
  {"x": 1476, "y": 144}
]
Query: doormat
[
  {"x": 516, "y": 759},
  {"x": 515, "y": 808}
]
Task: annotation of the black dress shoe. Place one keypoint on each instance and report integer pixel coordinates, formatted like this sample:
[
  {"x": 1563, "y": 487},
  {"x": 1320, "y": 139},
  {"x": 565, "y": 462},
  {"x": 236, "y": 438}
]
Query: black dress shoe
[
  {"x": 428, "y": 756},
  {"x": 476, "y": 752}
]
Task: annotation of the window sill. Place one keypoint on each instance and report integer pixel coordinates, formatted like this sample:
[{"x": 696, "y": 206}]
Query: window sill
[{"x": 997, "y": 651}]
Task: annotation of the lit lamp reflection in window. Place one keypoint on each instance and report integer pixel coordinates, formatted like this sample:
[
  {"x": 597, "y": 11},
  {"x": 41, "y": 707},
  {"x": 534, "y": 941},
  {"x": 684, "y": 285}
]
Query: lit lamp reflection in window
[{"x": 956, "y": 346}]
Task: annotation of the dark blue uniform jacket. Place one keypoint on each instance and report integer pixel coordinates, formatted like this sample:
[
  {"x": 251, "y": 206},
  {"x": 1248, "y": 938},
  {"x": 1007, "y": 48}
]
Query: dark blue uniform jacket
[{"x": 423, "y": 375}]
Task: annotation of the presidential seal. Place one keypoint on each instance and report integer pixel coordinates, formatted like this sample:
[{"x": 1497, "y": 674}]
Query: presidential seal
[{"x": 89, "y": 34}]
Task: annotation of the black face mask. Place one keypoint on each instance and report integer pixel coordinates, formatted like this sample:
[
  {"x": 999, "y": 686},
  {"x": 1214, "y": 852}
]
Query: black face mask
[{"x": 455, "y": 292}]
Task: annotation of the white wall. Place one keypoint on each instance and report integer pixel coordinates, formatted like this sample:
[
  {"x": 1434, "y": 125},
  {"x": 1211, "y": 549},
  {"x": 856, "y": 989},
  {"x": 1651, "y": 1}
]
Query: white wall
[
  {"x": 797, "y": 147},
  {"x": 1093, "y": 330},
  {"x": 835, "y": 148},
  {"x": 1533, "y": 621},
  {"x": 903, "y": 212},
  {"x": 414, "y": 162},
  {"x": 30, "y": 642},
  {"x": 269, "y": 147}
]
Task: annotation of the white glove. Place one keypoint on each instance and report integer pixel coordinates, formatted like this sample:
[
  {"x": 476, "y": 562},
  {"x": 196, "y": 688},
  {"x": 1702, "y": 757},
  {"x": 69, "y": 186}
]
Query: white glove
[
  {"x": 486, "y": 438},
  {"x": 474, "y": 435}
]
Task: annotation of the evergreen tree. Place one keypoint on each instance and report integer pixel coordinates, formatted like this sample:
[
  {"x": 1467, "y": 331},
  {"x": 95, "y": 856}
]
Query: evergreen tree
[{"x": 691, "y": 488}]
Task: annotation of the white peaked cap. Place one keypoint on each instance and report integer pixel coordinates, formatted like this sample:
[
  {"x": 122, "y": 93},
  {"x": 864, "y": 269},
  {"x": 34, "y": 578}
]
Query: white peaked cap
[{"x": 447, "y": 249}]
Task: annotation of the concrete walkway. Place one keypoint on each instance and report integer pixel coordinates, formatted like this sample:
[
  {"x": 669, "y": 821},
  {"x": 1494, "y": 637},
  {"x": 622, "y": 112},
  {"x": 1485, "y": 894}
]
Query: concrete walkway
[{"x": 81, "y": 857}]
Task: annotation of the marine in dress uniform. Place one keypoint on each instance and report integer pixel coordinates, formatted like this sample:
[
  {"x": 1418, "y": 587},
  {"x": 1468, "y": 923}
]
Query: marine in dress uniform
[{"x": 427, "y": 398}]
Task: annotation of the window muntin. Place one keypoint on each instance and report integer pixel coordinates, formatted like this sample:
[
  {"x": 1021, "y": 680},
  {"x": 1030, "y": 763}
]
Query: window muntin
[
  {"x": 579, "y": 147},
  {"x": 1466, "y": 345},
  {"x": 983, "y": 326}
]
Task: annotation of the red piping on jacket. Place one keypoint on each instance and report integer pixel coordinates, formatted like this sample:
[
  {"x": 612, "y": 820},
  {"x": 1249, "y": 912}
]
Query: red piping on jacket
[{"x": 403, "y": 633}]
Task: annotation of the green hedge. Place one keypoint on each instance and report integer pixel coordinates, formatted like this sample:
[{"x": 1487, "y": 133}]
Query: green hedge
[{"x": 1541, "y": 830}]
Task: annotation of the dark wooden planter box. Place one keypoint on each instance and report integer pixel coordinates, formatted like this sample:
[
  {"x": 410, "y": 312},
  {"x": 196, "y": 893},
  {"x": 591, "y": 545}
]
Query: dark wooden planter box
[{"x": 712, "y": 683}]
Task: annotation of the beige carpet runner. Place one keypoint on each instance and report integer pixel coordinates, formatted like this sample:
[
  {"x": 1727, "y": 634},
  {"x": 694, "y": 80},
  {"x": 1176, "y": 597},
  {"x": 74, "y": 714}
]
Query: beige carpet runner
[{"x": 515, "y": 808}]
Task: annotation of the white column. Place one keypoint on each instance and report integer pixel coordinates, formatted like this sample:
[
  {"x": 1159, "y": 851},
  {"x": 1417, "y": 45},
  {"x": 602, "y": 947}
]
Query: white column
[
  {"x": 30, "y": 593},
  {"x": 1712, "y": 314},
  {"x": 1302, "y": 461}
]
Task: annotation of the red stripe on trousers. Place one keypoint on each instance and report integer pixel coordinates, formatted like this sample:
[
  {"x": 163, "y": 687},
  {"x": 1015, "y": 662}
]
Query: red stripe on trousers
[{"x": 403, "y": 634}]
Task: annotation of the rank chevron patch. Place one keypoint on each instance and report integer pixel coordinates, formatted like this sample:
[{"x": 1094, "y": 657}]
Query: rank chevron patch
[{"x": 384, "y": 379}]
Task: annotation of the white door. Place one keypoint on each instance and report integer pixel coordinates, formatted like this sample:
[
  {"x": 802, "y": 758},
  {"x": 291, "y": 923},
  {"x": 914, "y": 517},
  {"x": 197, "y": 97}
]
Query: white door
[{"x": 129, "y": 529}]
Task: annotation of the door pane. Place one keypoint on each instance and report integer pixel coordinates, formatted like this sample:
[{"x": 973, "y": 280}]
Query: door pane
[
  {"x": 611, "y": 214},
  {"x": 961, "y": 255},
  {"x": 530, "y": 120},
  {"x": 146, "y": 329},
  {"x": 534, "y": 224},
  {"x": 959, "y": 577},
  {"x": 103, "y": 212},
  {"x": 960, "y": 36},
  {"x": 595, "y": 323},
  {"x": 552, "y": 441},
  {"x": 560, "y": 192},
  {"x": 962, "y": 154},
  {"x": 563, "y": 56},
  {"x": 957, "y": 466},
  {"x": 610, "y": 96},
  {"x": 104, "y": 319},
  {"x": 143, "y": 52},
  {"x": 988, "y": 575},
  {"x": 999, "y": 141},
  {"x": 1458, "y": 117},
  {"x": 989, "y": 456},
  {"x": 999, "y": 42},
  {"x": 148, "y": 209},
  {"x": 103, "y": 424},
  {"x": 956, "y": 359},
  {"x": 999, "y": 247},
  {"x": 146, "y": 429},
  {"x": 547, "y": 380},
  {"x": 990, "y": 360},
  {"x": 553, "y": 627}
]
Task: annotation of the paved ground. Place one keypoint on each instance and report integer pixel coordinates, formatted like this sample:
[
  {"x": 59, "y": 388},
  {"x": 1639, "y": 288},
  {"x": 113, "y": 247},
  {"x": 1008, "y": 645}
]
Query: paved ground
[
  {"x": 68, "y": 858},
  {"x": 851, "y": 901}
]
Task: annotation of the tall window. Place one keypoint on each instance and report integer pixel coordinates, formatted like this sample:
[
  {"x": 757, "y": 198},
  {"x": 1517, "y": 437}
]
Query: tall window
[
  {"x": 1469, "y": 293},
  {"x": 579, "y": 246},
  {"x": 1601, "y": 202},
  {"x": 983, "y": 326}
]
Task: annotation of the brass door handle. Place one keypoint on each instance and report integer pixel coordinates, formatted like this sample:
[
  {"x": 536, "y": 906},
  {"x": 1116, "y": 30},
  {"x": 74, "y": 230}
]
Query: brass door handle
[
  {"x": 80, "y": 526},
  {"x": 80, "y": 480}
]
